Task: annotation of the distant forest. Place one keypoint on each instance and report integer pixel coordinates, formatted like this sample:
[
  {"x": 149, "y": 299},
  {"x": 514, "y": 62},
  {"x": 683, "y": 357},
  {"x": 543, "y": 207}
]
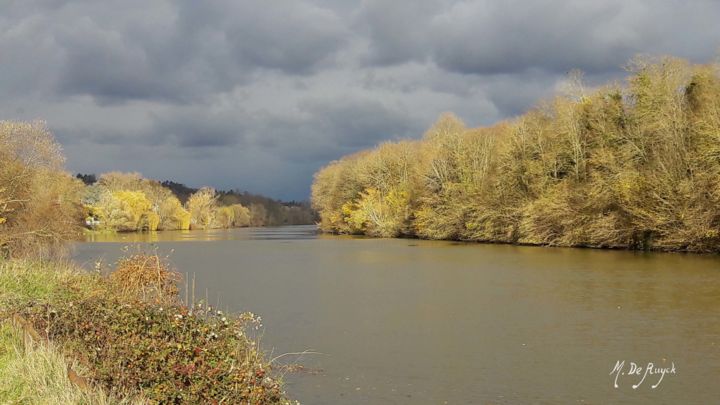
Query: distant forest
[{"x": 129, "y": 202}]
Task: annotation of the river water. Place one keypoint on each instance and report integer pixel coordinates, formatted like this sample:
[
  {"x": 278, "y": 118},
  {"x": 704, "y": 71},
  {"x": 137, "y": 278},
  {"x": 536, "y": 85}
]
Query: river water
[{"x": 393, "y": 321}]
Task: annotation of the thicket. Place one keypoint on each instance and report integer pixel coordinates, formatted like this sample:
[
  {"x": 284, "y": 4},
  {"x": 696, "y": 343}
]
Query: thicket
[
  {"x": 621, "y": 166},
  {"x": 135, "y": 338},
  {"x": 38, "y": 374},
  {"x": 39, "y": 201}
]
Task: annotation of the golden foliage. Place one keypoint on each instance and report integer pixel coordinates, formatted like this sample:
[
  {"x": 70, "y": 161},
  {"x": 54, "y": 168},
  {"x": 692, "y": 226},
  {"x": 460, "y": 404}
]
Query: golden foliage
[
  {"x": 159, "y": 209},
  {"x": 126, "y": 210},
  {"x": 173, "y": 215},
  {"x": 202, "y": 206},
  {"x": 38, "y": 209},
  {"x": 128, "y": 202},
  {"x": 224, "y": 217},
  {"x": 241, "y": 215},
  {"x": 146, "y": 276},
  {"x": 634, "y": 167}
]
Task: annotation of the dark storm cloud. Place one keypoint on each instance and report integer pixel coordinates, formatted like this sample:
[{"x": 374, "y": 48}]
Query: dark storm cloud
[
  {"x": 488, "y": 37},
  {"x": 293, "y": 37},
  {"x": 325, "y": 129},
  {"x": 175, "y": 51},
  {"x": 358, "y": 123},
  {"x": 195, "y": 128},
  {"x": 397, "y": 29},
  {"x": 259, "y": 93},
  {"x": 512, "y": 36},
  {"x": 102, "y": 64}
]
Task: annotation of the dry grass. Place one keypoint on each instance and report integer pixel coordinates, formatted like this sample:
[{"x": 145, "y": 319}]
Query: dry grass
[
  {"x": 146, "y": 276},
  {"x": 38, "y": 374}
]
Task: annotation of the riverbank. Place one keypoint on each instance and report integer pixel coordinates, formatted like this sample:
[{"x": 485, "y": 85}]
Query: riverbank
[
  {"x": 581, "y": 246},
  {"x": 127, "y": 334},
  {"x": 632, "y": 167}
]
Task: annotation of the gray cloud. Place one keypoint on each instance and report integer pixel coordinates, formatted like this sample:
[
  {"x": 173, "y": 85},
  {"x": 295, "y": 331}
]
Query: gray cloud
[
  {"x": 495, "y": 37},
  {"x": 196, "y": 128},
  {"x": 258, "y": 94},
  {"x": 358, "y": 123},
  {"x": 171, "y": 51},
  {"x": 397, "y": 30}
]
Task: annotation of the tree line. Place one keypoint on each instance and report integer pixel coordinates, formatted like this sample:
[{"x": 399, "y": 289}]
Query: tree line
[
  {"x": 634, "y": 165},
  {"x": 42, "y": 205},
  {"x": 128, "y": 202}
]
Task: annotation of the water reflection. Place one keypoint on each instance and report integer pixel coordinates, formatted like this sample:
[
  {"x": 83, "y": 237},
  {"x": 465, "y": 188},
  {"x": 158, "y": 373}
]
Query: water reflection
[{"x": 269, "y": 233}]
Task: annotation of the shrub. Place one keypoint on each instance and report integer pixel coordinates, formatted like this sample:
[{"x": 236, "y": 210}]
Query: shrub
[
  {"x": 38, "y": 200},
  {"x": 38, "y": 374},
  {"x": 134, "y": 337},
  {"x": 170, "y": 354},
  {"x": 146, "y": 277}
]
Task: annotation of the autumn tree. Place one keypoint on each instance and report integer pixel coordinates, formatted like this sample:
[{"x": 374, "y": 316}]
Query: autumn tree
[
  {"x": 615, "y": 166},
  {"x": 127, "y": 211},
  {"x": 201, "y": 206},
  {"x": 120, "y": 181},
  {"x": 173, "y": 216},
  {"x": 39, "y": 207},
  {"x": 241, "y": 215},
  {"x": 224, "y": 217},
  {"x": 258, "y": 215}
]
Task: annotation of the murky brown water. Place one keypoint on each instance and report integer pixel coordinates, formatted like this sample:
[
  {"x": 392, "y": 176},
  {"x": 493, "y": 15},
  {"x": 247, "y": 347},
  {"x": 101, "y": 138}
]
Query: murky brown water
[{"x": 419, "y": 322}]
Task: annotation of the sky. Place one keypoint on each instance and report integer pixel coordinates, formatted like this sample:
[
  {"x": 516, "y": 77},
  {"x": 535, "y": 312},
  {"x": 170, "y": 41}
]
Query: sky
[{"x": 259, "y": 94}]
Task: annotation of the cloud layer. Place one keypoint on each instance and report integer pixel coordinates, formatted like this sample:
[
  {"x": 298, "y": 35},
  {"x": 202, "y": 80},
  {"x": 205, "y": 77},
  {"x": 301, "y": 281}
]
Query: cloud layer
[{"x": 258, "y": 94}]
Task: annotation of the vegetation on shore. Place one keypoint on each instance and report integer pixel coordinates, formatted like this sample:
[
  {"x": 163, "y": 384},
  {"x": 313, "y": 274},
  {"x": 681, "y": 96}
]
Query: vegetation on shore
[
  {"x": 41, "y": 205},
  {"x": 128, "y": 202},
  {"x": 75, "y": 337},
  {"x": 131, "y": 335},
  {"x": 634, "y": 166},
  {"x": 39, "y": 201},
  {"x": 38, "y": 374}
]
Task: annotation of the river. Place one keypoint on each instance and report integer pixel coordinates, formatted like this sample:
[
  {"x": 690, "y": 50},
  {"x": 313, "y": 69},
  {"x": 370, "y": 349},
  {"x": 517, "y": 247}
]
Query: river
[{"x": 394, "y": 321}]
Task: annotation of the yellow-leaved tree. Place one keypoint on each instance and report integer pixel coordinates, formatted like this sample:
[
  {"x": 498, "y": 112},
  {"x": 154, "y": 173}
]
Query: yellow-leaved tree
[
  {"x": 127, "y": 210},
  {"x": 224, "y": 217},
  {"x": 39, "y": 207},
  {"x": 173, "y": 215},
  {"x": 202, "y": 205},
  {"x": 634, "y": 166},
  {"x": 241, "y": 215}
]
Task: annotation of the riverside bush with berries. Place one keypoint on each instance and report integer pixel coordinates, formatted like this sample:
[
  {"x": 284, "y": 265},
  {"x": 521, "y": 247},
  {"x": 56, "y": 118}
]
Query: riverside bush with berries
[{"x": 157, "y": 347}]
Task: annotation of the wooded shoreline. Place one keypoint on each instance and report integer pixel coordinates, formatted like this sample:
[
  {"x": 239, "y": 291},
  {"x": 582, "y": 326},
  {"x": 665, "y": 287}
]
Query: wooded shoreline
[{"x": 623, "y": 167}]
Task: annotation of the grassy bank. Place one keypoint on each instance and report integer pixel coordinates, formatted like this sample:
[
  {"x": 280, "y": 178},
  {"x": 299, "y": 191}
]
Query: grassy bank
[
  {"x": 38, "y": 374},
  {"x": 128, "y": 335}
]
